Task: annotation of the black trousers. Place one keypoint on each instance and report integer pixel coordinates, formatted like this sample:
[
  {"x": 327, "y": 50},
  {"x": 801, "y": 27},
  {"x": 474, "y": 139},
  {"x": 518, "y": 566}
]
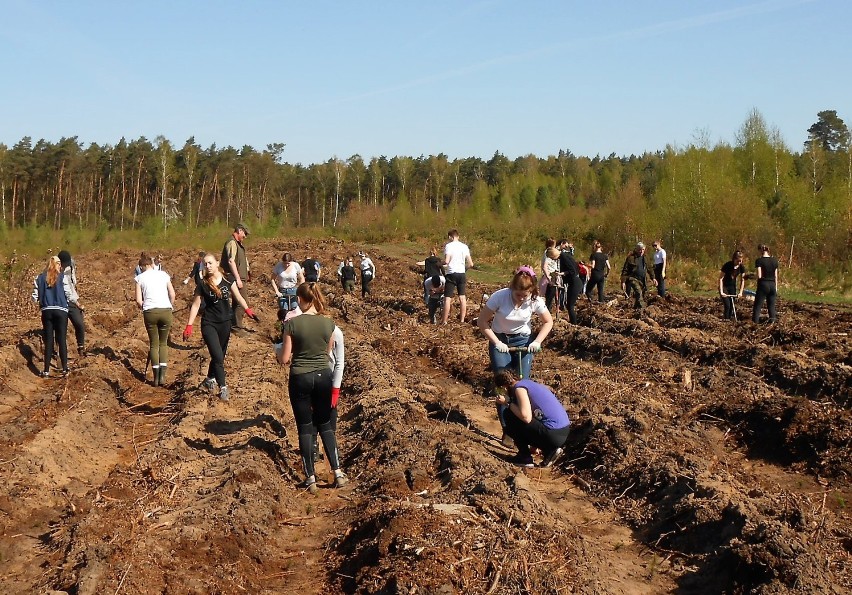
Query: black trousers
[
  {"x": 596, "y": 280},
  {"x": 534, "y": 434},
  {"x": 310, "y": 397},
  {"x": 55, "y": 326},
  {"x": 75, "y": 315},
  {"x": 728, "y": 302},
  {"x": 766, "y": 292},
  {"x": 572, "y": 290},
  {"x": 216, "y": 336}
]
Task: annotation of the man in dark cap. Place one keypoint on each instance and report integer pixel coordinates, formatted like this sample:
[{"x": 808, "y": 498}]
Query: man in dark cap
[
  {"x": 236, "y": 267},
  {"x": 75, "y": 310},
  {"x": 634, "y": 273}
]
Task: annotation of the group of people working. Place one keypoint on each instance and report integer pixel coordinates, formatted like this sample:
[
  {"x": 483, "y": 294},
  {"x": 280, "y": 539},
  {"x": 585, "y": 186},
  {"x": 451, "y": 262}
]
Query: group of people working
[
  {"x": 732, "y": 278},
  {"x": 312, "y": 345}
]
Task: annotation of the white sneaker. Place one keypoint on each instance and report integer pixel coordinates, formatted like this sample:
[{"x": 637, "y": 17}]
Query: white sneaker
[
  {"x": 209, "y": 384},
  {"x": 223, "y": 394}
]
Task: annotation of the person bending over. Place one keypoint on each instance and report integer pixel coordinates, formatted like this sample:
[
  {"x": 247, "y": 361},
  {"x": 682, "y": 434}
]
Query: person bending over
[{"x": 534, "y": 417}]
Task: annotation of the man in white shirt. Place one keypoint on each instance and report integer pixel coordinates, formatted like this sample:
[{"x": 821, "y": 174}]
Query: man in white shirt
[{"x": 457, "y": 260}]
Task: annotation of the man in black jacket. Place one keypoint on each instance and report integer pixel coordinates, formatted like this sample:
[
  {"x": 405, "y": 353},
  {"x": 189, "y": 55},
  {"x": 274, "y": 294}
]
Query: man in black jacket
[
  {"x": 634, "y": 273},
  {"x": 570, "y": 278}
]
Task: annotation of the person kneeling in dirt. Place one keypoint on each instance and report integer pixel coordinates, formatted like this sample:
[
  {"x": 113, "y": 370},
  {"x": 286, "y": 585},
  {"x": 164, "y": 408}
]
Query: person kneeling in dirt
[
  {"x": 634, "y": 273},
  {"x": 534, "y": 417},
  {"x": 434, "y": 288}
]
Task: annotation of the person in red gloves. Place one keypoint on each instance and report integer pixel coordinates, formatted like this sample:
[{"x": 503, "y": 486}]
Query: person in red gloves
[
  {"x": 216, "y": 292},
  {"x": 308, "y": 340}
]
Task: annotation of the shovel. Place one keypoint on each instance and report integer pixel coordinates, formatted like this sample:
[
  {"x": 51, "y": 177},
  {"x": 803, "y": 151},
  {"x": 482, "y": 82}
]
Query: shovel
[{"x": 733, "y": 299}]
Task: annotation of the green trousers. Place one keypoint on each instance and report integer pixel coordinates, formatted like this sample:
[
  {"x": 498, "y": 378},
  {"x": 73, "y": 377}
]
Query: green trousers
[
  {"x": 158, "y": 321},
  {"x": 637, "y": 289}
]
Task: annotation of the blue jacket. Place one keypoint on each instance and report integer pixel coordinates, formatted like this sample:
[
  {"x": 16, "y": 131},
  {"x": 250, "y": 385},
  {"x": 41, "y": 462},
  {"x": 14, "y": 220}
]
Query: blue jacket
[{"x": 51, "y": 298}]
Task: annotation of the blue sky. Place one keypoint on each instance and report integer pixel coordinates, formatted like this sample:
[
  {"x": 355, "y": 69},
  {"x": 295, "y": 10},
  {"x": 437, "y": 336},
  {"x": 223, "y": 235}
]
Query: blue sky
[{"x": 332, "y": 79}]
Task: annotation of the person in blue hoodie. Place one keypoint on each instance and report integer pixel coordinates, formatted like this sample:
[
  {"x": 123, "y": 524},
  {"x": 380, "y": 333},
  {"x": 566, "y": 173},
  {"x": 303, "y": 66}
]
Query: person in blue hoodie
[{"x": 50, "y": 293}]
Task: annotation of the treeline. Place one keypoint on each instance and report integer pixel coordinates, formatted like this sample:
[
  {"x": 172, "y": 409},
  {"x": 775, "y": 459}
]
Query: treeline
[{"x": 701, "y": 198}]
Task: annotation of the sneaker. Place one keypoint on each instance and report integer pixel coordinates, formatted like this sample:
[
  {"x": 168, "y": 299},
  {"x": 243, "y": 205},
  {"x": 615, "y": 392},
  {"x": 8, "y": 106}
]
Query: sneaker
[
  {"x": 209, "y": 384},
  {"x": 520, "y": 460},
  {"x": 45, "y": 374},
  {"x": 81, "y": 351},
  {"x": 551, "y": 457},
  {"x": 311, "y": 485},
  {"x": 64, "y": 372},
  {"x": 223, "y": 394},
  {"x": 340, "y": 480}
]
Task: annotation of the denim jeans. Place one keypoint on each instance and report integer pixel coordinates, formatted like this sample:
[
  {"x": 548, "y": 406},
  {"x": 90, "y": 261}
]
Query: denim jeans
[{"x": 501, "y": 360}]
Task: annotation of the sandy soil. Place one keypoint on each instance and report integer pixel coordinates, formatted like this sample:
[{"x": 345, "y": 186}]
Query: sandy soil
[{"x": 705, "y": 456}]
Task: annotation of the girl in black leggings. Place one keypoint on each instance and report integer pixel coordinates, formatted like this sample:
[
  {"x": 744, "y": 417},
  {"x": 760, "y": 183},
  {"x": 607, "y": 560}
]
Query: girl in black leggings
[
  {"x": 308, "y": 339},
  {"x": 767, "y": 282},
  {"x": 216, "y": 292},
  {"x": 50, "y": 293}
]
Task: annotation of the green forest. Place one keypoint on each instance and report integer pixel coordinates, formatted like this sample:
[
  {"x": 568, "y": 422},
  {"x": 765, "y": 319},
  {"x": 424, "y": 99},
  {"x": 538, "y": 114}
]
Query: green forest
[{"x": 703, "y": 199}]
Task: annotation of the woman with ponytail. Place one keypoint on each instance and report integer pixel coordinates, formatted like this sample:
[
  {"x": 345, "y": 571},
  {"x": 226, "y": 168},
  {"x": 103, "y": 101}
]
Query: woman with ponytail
[
  {"x": 51, "y": 294},
  {"x": 308, "y": 339},
  {"x": 767, "y": 284},
  {"x": 155, "y": 294},
  {"x": 216, "y": 293}
]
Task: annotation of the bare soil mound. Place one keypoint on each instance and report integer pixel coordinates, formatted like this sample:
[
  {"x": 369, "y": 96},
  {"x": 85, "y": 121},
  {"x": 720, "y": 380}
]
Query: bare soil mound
[{"x": 705, "y": 455}]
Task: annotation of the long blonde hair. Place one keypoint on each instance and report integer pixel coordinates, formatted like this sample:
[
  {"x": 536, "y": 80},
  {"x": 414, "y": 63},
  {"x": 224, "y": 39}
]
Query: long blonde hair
[
  {"x": 52, "y": 270},
  {"x": 311, "y": 294},
  {"x": 209, "y": 277}
]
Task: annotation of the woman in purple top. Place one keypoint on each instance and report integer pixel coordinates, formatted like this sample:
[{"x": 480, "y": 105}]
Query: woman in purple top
[{"x": 534, "y": 417}]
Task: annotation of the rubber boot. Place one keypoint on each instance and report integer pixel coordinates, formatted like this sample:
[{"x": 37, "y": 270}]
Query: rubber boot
[
  {"x": 156, "y": 371},
  {"x": 162, "y": 379}
]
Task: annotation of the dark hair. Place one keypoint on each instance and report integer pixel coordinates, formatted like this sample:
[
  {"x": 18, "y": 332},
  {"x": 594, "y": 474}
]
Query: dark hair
[
  {"x": 436, "y": 280},
  {"x": 737, "y": 254},
  {"x": 311, "y": 294},
  {"x": 145, "y": 261},
  {"x": 762, "y": 248},
  {"x": 549, "y": 243},
  {"x": 505, "y": 377},
  {"x": 597, "y": 244},
  {"x": 453, "y": 233},
  {"x": 287, "y": 257}
]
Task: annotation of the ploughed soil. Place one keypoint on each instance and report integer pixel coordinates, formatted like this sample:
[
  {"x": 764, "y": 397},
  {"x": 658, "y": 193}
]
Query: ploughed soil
[{"x": 705, "y": 455}]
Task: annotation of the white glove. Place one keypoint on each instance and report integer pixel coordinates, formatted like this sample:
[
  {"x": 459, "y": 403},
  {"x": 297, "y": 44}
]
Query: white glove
[
  {"x": 501, "y": 347},
  {"x": 186, "y": 281},
  {"x": 278, "y": 348},
  {"x": 534, "y": 347}
]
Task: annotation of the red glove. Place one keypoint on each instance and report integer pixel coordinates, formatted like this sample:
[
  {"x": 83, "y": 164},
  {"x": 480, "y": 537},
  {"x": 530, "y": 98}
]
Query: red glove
[
  {"x": 187, "y": 332},
  {"x": 335, "y": 394},
  {"x": 248, "y": 276},
  {"x": 250, "y": 313}
]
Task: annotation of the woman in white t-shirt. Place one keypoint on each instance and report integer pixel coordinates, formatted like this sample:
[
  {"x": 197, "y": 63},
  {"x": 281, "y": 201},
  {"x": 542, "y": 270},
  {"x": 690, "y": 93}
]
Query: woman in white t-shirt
[
  {"x": 506, "y": 321},
  {"x": 156, "y": 295},
  {"x": 287, "y": 275}
]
